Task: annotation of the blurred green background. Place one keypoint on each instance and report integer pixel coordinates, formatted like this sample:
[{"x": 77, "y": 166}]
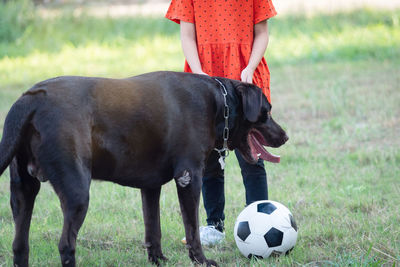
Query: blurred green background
[{"x": 335, "y": 81}]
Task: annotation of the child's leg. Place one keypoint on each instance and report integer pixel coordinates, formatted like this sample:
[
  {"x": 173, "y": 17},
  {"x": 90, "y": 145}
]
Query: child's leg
[
  {"x": 213, "y": 192},
  {"x": 254, "y": 179}
]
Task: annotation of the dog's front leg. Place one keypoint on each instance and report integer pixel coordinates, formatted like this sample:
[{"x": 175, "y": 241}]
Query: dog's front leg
[
  {"x": 189, "y": 197},
  {"x": 151, "y": 215}
]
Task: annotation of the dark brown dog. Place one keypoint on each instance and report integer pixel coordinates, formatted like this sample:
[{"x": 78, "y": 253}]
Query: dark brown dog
[{"x": 141, "y": 132}]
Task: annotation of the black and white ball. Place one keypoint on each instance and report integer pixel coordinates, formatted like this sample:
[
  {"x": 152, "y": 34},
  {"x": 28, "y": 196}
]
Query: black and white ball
[{"x": 265, "y": 228}]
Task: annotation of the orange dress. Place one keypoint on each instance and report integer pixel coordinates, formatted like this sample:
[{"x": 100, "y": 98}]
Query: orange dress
[{"x": 225, "y": 32}]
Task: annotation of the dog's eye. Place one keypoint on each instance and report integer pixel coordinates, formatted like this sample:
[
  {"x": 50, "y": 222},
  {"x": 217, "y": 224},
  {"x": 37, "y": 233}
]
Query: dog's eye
[{"x": 264, "y": 116}]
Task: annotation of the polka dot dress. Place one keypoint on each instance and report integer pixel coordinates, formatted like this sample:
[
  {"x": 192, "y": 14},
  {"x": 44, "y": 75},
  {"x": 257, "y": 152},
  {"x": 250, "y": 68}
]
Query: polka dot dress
[{"x": 224, "y": 31}]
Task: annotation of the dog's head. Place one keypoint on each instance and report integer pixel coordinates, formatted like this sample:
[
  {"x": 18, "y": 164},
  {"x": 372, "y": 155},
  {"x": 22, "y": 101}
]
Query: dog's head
[{"x": 254, "y": 126}]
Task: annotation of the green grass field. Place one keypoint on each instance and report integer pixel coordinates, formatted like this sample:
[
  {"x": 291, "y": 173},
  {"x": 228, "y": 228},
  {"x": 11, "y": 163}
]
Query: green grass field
[{"x": 335, "y": 88}]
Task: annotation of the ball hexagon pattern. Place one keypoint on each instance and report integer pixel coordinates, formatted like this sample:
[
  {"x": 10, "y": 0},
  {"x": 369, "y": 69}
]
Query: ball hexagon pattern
[
  {"x": 266, "y": 207},
  {"x": 243, "y": 230},
  {"x": 265, "y": 228},
  {"x": 273, "y": 237}
]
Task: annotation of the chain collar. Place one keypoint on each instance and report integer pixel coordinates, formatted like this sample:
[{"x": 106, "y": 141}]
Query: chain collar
[{"x": 225, "y": 135}]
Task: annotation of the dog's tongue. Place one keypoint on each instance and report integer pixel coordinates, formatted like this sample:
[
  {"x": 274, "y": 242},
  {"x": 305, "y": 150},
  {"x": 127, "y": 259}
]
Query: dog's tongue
[{"x": 258, "y": 150}]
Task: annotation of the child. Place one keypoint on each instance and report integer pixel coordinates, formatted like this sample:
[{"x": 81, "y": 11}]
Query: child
[{"x": 226, "y": 38}]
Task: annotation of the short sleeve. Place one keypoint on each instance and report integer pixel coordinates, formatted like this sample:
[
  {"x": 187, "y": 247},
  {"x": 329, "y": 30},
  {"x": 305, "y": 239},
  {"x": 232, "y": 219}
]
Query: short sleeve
[
  {"x": 263, "y": 9},
  {"x": 180, "y": 10}
]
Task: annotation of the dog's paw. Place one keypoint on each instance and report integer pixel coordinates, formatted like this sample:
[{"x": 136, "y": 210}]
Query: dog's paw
[
  {"x": 203, "y": 261},
  {"x": 156, "y": 259},
  {"x": 154, "y": 253},
  {"x": 211, "y": 263}
]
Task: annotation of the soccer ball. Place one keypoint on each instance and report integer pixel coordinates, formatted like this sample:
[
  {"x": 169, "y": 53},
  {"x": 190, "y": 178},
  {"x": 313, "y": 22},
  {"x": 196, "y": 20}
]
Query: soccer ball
[{"x": 265, "y": 228}]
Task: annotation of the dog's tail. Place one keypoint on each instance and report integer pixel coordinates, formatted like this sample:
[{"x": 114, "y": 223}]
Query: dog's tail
[{"x": 16, "y": 122}]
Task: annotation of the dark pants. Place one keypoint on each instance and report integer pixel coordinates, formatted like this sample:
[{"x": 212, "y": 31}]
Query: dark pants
[{"x": 254, "y": 180}]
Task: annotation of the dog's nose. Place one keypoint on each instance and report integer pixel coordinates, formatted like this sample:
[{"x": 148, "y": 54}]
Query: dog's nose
[{"x": 285, "y": 138}]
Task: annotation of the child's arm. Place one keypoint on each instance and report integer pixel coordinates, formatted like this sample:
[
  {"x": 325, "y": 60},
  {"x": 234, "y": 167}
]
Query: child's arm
[
  {"x": 260, "y": 43},
  {"x": 189, "y": 46}
]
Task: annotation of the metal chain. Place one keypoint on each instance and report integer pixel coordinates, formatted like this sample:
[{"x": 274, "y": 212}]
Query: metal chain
[{"x": 225, "y": 134}]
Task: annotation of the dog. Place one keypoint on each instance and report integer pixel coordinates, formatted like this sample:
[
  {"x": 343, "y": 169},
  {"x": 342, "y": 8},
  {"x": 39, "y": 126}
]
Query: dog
[{"x": 140, "y": 132}]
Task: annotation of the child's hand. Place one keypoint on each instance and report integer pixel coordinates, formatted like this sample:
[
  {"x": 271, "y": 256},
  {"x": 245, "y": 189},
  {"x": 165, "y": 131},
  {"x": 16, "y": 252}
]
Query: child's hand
[
  {"x": 247, "y": 75},
  {"x": 201, "y": 72}
]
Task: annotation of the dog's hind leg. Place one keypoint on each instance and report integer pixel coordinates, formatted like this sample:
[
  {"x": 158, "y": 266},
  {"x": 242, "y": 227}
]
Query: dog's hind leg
[
  {"x": 24, "y": 189},
  {"x": 151, "y": 214},
  {"x": 71, "y": 183},
  {"x": 74, "y": 198}
]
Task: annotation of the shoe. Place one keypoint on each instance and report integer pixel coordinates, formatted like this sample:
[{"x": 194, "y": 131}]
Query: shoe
[{"x": 209, "y": 236}]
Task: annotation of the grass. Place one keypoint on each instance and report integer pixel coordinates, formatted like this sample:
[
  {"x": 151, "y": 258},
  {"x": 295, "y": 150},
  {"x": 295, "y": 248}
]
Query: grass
[{"x": 335, "y": 88}]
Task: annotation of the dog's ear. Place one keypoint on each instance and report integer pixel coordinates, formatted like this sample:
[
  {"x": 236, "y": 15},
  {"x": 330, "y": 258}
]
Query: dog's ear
[{"x": 251, "y": 100}]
